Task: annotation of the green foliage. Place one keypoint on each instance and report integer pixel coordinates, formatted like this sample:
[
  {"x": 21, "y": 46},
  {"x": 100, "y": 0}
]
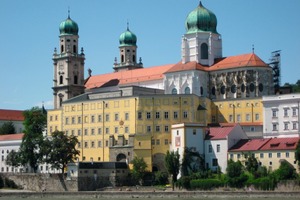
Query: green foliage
[
  {"x": 251, "y": 164},
  {"x": 13, "y": 159},
  {"x": 297, "y": 153},
  {"x": 160, "y": 178},
  {"x": 235, "y": 175},
  {"x": 139, "y": 169},
  {"x": 191, "y": 162},
  {"x": 1, "y": 182},
  {"x": 264, "y": 183},
  {"x": 34, "y": 124},
  {"x": 286, "y": 171},
  {"x": 7, "y": 128},
  {"x": 59, "y": 150},
  {"x": 206, "y": 184},
  {"x": 184, "y": 182},
  {"x": 173, "y": 165},
  {"x": 261, "y": 171}
]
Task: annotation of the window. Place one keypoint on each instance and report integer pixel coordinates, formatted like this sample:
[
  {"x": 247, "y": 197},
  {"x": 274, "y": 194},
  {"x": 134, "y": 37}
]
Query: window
[
  {"x": 139, "y": 115},
  {"x": 204, "y": 51},
  {"x": 157, "y": 128},
  {"x": 148, "y": 115},
  {"x": 214, "y": 162},
  {"x": 185, "y": 114},
  {"x": 157, "y": 115},
  {"x": 174, "y": 91},
  {"x": 79, "y": 120},
  {"x": 209, "y": 149},
  {"x": 116, "y": 117},
  {"x": 278, "y": 155},
  {"x": 107, "y": 117},
  {"x": 116, "y": 130},
  {"x": 238, "y": 117},
  {"x": 238, "y": 156},
  {"x": 294, "y": 111},
  {"x": 86, "y": 145},
  {"x": 148, "y": 128},
  {"x": 92, "y": 144},
  {"x": 92, "y": 119},
  {"x": 270, "y": 155},
  {"x": 79, "y": 145},
  {"x": 230, "y": 118},
  {"x": 231, "y": 156},
  {"x": 75, "y": 79},
  {"x": 61, "y": 80},
  {"x": 85, "y": 132},
  {"x": 73, "y": 120},
  {"x": 158, "y": 142},
  {"x": 175, "y": 116},
  {"x": 256, "y": 116},
  {"x": 285, "y": 112},
  {"x": 187, "y": 90},
  {"x": 107, "y": 130},
  {"x": 106, "y": 143},
  {"x": 67, "y": 120},
  {"x": 79, "y": 132},
  {"x": 274, "y": 127},
  {"x": 99, "y": 131},
  {"x": 261, "y": 155},
  {"x": 166, "y": 115},
  {"x": 294, "y": 126},
  {"x": 166, "y": 128},
  {"x": 274, "y": 113},
  {"x": 166, "y": 141},
  {"x": 247, "y": 117},
  {"x": 126, "y": 129},
  {"x": 286, "y": 126},
  {"x": 92, "y": 131},
  {"x": 287, "y": 154},
  {"x": 126, "y": 116},
  {"x": 99, "y": 118}
]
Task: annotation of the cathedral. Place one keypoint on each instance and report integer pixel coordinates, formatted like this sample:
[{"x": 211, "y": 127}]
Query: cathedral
[{"x": 130, "y": 111}]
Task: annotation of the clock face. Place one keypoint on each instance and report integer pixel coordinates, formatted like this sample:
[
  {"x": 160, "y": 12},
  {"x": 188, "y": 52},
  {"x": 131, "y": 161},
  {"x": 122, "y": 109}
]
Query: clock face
[{"x": 61, "y": 67}]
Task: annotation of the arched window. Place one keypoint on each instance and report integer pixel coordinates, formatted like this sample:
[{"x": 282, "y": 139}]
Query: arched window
[
  {"x": 61, "y": 48},
  {"x": 187, "y": 90},
  {"x": 60, "y": 101},
  {"x": 174, "y": 91},
  {"x": 75, "y": 79},
  {"x": 133, "y": 58},
  {"x": 61, "y": 80},
  {"x": 122, "y": 58},
  {"x": 121, "y": 157},
  {"x": 74, "y": 49},
  {"x": 204, "y": 51}
]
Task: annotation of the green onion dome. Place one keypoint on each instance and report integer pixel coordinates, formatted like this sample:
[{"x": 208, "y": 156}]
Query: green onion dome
[
  {"x": 201, "y": 20},
  {"x": 68, "y": 27},
  {"x": 127, "y": 38}
]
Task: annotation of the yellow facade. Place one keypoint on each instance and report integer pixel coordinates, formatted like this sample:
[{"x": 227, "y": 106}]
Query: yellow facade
[
  {"x": 249, "y": 110},
  {"x": 270, "y": 159},
  {"x": 114, "y": 129}
]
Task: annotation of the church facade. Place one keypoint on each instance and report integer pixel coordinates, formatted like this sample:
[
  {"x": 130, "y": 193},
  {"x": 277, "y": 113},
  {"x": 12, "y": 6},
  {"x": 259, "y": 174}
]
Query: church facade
[{"x": 130, "y": 112}]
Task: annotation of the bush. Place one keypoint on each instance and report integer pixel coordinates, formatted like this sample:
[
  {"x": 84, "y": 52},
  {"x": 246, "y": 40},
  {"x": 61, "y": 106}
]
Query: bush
[
  {"x": 206, "y": 184},
  {"x": 238, "y": 182},
  {"x": 184, "y": 182},
  {"x": 264, "y": 183},
  {"x": 160, "y": 178}
]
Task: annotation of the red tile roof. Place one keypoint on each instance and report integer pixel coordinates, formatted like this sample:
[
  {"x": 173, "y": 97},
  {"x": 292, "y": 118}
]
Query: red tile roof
[
  {"x": 11, "y": 115},
  {"x": 157, "y": 72},
  {"x": 245, "y": 60},
  {"x": 281, "y": 144},
  {"x": 217, "y": 133},
  {"x": 249, "y": 145},
  {"x": 127, "y": 77},
  {"x": 243, "y": 124},
  {"x": 8, "y": 137}
]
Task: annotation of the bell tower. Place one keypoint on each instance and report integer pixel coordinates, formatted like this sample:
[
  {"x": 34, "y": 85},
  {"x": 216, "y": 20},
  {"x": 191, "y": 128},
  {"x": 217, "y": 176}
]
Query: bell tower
[{"x": 68, "y": 80}]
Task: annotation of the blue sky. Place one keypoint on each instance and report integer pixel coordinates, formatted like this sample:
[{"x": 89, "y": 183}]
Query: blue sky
[{"x": 29, "y": 34}]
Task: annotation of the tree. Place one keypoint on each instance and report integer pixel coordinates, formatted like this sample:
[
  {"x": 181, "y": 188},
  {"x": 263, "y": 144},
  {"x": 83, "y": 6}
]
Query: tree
[
  {"x": 235, "y": 174},
  {"x": 297, "y": 154},
  {"x": 34, "y": 125},
  {"x": 192, "y": 162},
  {"x": 286, "y": 171},
  {"x": 251, "y": 164},
  {"x": 13, "y": 159},
  {"x": 173, "y": 165},
  {"x": 139, "y": 169},
  {"x": 7, "y": 128},
  {"x": 59, "y": 150}
]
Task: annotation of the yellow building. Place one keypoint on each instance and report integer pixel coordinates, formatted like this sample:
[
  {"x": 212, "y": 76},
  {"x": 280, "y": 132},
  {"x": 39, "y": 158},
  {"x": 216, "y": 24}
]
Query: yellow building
[
  {"x": 269, "y": 152},
  {"x": 111, "y": 126}
]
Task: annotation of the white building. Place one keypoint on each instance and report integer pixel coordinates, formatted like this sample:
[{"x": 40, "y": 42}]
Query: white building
[
  {"x": 281, "y": 115},
  {"x": 218, "y": 141},
  {"x": 14, "y": 116}
]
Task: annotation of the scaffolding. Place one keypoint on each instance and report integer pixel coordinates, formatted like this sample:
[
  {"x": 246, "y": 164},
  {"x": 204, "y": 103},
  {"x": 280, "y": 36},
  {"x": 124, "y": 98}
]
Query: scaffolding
[{"x": 275, "y": 64}]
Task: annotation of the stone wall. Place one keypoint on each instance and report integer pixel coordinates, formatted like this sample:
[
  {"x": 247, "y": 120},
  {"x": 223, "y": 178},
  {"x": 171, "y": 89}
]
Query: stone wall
[{"x": 42, "y": 182}]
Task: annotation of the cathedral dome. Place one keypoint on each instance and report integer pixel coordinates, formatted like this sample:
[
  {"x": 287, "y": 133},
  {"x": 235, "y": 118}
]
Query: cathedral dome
[
  {"x": 201, "y": 20},
  {"x": 68, "y": 27},
  {"x": 127, "y": 38}
]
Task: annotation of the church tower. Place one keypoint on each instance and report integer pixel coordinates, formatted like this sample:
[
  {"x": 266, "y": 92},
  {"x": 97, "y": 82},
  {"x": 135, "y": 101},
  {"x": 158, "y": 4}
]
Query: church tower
[
  {"x": 128, "y": 52},
  {"x": 201, "y": 43},
  {"x": 68, "y": 80}
]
